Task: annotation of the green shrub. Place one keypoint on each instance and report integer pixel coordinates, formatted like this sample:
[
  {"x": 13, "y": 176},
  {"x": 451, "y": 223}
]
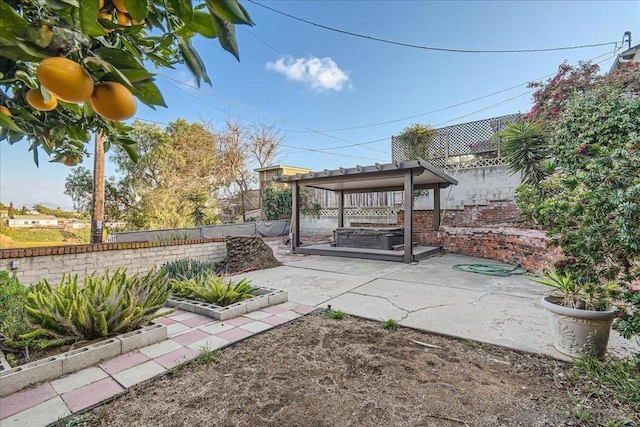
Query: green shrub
[
  {"x": 214, "y": 289},
  {"x": 13, "y": 320},
  {"x": 107, "y": 305},
  {"x": 187, "y": 268},
  {"x": 390, "y": 325}
]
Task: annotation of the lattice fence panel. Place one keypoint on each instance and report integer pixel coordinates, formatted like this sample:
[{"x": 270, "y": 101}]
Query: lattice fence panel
[{"x": 466, "y": 142}]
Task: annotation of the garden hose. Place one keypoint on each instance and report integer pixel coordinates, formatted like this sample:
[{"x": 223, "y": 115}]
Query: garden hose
[{"x": 490, "y": 269}]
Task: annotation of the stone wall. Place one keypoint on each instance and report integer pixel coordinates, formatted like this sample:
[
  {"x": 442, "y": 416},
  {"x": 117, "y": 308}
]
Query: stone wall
[
  {"x": 509, "y": 245},
  {"x": 32, "y": 265},
  {"x": 495, "y": 211}
]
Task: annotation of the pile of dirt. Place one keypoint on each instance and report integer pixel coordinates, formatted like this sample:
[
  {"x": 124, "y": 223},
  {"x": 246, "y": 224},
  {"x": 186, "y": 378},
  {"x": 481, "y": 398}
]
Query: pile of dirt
[
  {"x": 246, "y": 253},
  {"x": 318, "y": 371}
]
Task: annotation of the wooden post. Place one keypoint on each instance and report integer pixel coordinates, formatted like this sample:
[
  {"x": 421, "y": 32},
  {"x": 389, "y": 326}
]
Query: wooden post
[
  {"x": 97, "y": 205},
  {"x": 295, "y": 217},
  {"x": 408, "y": 216},
  {"x": 436, "y": 208},
  {"x": 340, "y": 209}
]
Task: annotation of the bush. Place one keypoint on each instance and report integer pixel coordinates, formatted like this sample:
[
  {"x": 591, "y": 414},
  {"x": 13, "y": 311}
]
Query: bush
[
  {"x": 213, "y": 289},
  {"x": 13, "y": 320},
  {"x": 107, "y": 305},
  {"x": 187, "y": 268}
]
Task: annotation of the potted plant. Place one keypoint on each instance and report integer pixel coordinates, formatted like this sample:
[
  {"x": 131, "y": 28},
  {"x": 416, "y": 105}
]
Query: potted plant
[{"x": 580, "y": 314}]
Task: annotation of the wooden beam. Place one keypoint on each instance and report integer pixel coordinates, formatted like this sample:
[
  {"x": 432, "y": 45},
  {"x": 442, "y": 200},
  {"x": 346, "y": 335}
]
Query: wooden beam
[
  {"x": 340, "y": 209},
  {"x": 295, "y": 215},
  {"x": 436, "y": 208},
  {"x": 408, "y": 217}
]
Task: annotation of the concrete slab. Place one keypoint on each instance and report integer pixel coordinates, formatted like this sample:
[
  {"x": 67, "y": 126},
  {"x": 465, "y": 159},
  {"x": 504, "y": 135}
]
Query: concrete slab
[
  {"x": 77, "y": 380},
  {"x": 369, "y": 307},
  {"x": 18, "y": 402},
  {"x": 256, "y": 327},
  {"x": 177, "y": 357},
  {"x": 138, "y": 373},
  {"x": 355, "y": 267},
  {"x": 210, "y": 343},
  {"x": 155, "y": 350},
  {"x": 217, "y": 327},
  {"x": 91, "y": 394},
  {"x": 42, "y": 414},
  {"x": 306, "y": 286}
]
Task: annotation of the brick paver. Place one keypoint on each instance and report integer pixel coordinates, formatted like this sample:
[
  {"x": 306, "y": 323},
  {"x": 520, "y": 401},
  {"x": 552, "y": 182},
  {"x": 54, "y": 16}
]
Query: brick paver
[
  {"x": 274, "y": 309},
  {"x": 197, "y": 321},
  {"x": 257, "y": 315},
  {"x": 38, "y": 415},
  {"x": 91, "y": 394},
  {"x": 22, "y": 400},
  {"x": 120, "y": 363},
  {"x": 238, "y": 321},
  {"x": 257, "y": 326},
  {"x": 190, "y": 337},
  {"x": 304, "y": 309},
  {"x": 176, "y": 357},
  {"x": 155, "y": 350},
  {"x": 274, "y": 320},
  {"x": 138, "y": 373},
  {"x": 79, "y": 379},
  {"x": 233, "y": 335}
]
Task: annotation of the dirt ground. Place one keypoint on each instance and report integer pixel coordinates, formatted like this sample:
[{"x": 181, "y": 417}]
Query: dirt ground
[{"x": 318, "y": 371}]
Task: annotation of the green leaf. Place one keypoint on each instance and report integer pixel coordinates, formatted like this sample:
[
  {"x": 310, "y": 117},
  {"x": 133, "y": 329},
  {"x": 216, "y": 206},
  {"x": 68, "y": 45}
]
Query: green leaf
[
  {"x": 194, "y": 62},
  {"x": 119, "y": 58},
  {"x": 89, "y": 18},
  {"x": 149, "y": 94},
  {"x": 183, "y": 9},
  {"x": 131, "y": 151},
  {"x": 202, "y": 24},
  {"x": 229, "y": 10},
  {"x": 137, "y": 9},
  {"x": 226, "y": 35},
  {"x": 62, "y": 4},
  {"x": 137, "y": 76},
  {"x": 7, "y": 123},
  {"x": 11, "y": 23}
]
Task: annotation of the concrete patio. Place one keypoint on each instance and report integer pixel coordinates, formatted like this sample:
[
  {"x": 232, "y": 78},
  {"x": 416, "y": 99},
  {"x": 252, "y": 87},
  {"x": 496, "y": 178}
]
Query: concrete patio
[{"x": 429, "y": 296}]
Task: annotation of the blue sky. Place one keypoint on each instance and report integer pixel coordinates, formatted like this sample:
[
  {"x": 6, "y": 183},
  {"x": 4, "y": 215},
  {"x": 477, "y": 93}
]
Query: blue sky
[{"x": 309, "y": 81}]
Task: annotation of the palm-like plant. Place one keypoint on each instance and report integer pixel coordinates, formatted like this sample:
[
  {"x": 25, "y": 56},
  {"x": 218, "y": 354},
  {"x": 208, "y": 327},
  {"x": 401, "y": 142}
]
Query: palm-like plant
[
  {"x": 214, "y": 289},
  {"x": 524, "y": 145}
]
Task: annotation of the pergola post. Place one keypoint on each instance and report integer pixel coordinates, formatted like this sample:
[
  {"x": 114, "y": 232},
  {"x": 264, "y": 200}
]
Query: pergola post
[
  {"x": 295, "y": 215},
  {"x": 408, "y": 216},
  {"x": 436, "y": 208},
  {"x": 340, "y": 209}
]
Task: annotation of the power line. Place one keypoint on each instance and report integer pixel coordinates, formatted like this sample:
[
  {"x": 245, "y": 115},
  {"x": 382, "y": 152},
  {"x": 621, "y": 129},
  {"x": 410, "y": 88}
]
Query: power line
[{"x": 438, "y": 49}]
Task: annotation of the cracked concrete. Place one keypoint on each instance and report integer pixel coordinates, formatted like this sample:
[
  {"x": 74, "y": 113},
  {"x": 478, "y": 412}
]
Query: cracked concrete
[{"x": 428, "y": 296}]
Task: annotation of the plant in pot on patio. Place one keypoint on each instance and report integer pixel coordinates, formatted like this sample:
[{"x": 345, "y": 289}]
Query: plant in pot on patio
[{"x": 580, "y": 314}]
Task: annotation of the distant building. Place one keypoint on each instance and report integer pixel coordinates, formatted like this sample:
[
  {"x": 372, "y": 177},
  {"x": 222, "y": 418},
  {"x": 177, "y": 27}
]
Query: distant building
[
  {"x": 268, "y": 173},
  {"x": 4, "y": 213},
  {"x": 76, "y": 224},
  {"x": 33, "y": 221},
  {"x": 630, "y": 55}
]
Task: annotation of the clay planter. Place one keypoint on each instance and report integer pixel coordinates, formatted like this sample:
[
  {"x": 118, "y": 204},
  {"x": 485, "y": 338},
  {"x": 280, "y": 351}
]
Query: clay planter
[{"x": 578, "y": 333}]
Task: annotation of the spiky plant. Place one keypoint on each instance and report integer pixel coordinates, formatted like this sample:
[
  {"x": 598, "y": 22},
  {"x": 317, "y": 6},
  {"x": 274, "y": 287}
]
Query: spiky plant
[
  {"x": 107, "y": 305},
  {"x": 188, "y": 268},
  {"x": 214, "y": 289},
  {"x": 525, "y": 147}
]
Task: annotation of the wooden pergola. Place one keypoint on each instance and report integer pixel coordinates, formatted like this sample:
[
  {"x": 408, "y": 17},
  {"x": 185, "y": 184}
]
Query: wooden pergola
[{"x": 404, "y": 176}]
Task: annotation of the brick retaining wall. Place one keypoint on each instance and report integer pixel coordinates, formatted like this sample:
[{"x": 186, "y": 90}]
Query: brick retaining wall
[
  {"x": 471, "y": 216},
  {"x": 52, "y": 262},
  {"x": 509, "y": 245}
]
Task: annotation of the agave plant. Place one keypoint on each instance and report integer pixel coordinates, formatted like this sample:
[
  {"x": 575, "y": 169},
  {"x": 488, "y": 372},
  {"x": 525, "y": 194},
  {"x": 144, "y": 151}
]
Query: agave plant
[
  {"x": 188, "y": 268},
  {"x": 213, "y": 289},
  {"x": 574, "y": 294},
  {"x": 108, "y": 304}
]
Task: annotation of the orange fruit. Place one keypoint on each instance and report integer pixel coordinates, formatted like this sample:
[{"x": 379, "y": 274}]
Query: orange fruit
[
  {"x": 71, "y": 160},
  {"x": 65, "y": 79},
  {"x": 119, "y": 4},
  {"x": 123, "y": 19},
  {"x": 100, "y": 4},
  {"x": 36, "y": 100},
  {"x": 113, "y": 101},
  {"x": 5, "y": 110},
  {"x": 105, "y": 15}
]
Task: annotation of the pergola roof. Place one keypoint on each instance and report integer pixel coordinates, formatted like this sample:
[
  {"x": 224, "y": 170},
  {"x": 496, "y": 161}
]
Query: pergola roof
[{"x": 378, "y": 177}]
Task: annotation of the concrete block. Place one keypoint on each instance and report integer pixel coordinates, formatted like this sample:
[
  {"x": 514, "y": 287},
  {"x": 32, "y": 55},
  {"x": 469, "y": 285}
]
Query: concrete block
[
  {"x": 142, "y": 337},
  {"x": 278, "y": 297},
  {"x": 22, "y": 376},
  {"x": 90, "y": 355},
  {"x": 231, "y": 311},
  {"x": 257, "y": 302}
]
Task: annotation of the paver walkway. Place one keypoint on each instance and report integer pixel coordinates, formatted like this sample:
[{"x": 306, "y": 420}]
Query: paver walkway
[{"x": 188, "y": 334}]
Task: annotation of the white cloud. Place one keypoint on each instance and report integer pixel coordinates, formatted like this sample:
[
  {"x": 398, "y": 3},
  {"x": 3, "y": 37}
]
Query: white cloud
[{"x": 320, "y": 73}]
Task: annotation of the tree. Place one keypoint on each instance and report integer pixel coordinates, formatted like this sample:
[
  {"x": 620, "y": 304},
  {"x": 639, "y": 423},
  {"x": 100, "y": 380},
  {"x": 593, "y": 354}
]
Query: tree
[
  {"x": 175, "y": 165},
  {"x": 109, "y": 45},
  {"x": 265, "y": 141}
]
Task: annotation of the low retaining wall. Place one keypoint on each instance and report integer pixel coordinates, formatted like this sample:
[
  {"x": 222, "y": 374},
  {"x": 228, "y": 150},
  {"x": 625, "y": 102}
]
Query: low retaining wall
[
  {"x": 33, "y": 265},
  {"x": 509, "y": 245}
]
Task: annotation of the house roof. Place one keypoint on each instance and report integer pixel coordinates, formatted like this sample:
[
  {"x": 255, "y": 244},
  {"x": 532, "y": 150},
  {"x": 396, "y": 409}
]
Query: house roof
[
  {"x": 35, "y": 217},
  {"x": 276, "y": 167},
  {"x": 374, "y": 178},
  {"x": 631, "y": 54}
]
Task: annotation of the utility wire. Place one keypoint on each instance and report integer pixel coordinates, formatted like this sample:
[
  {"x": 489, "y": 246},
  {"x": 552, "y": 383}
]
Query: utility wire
[{"x": 438, "y": 49}]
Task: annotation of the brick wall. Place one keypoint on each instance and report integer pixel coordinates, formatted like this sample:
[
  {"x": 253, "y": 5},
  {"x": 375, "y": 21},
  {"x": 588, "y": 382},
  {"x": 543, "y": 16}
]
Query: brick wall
[
  {"x": 471, "y": 216},
  {"x": 52, "y": 262},
  {"x": 509, "y": 245}
]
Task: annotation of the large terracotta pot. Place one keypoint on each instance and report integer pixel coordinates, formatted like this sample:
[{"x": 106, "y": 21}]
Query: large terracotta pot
[{"x": 578, "y": 333}]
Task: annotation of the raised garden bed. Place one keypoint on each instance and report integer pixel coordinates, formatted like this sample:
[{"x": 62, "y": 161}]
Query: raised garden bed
[
  {"x": 264, "y": 297},
  {"x": 14, "y": 379}
]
